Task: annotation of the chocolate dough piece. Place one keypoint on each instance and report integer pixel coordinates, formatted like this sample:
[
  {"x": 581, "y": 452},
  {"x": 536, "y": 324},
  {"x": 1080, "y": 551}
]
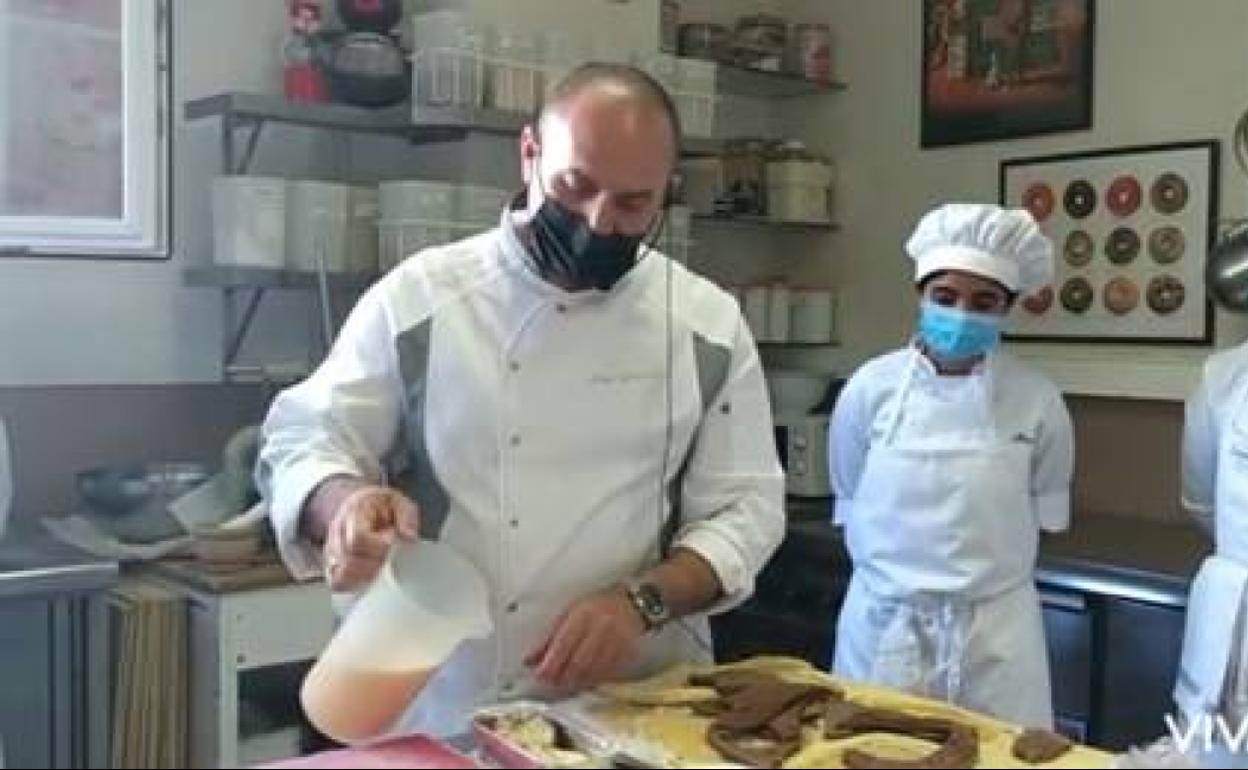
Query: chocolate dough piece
[
  {"x": 1035, "y": 747},
  {"x": 751, "y": 750},
  {"x": 959, "y": 744},
  {"x": 960, "y": 748}
]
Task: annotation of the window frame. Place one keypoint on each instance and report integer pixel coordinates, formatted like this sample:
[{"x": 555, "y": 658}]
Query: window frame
[{"x": 144, "y": 231}]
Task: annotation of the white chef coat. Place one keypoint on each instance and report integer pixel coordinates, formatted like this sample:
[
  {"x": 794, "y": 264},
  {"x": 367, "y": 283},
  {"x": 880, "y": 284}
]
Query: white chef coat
[
  {"x": 533, "y": 423},
  {"x": 1023, "y": 403},
  {"x": 946, "y": 482},
  {"x": 1213, "y": 675}
]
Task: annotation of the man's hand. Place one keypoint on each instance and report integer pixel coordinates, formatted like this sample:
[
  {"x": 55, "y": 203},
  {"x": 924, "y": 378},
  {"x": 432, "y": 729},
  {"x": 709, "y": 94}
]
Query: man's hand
[
  {"x": 594, "y": 640},
  {"x": 363, "y": 526}
]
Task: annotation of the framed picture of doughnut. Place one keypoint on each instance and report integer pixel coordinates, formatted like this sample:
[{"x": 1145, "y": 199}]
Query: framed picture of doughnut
[{"x": 1131, "y": 228}]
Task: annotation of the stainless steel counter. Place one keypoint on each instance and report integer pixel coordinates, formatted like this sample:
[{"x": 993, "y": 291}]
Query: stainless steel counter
[
  {"x": 1106, "y": 555},
  {"x": 33, "y": 563}
]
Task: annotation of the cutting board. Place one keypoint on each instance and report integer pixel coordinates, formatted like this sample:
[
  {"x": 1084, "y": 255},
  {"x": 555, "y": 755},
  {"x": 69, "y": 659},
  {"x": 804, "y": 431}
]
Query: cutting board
[
  {"x": 260, "y": 574},
  {"x": 416, "y": 751}
]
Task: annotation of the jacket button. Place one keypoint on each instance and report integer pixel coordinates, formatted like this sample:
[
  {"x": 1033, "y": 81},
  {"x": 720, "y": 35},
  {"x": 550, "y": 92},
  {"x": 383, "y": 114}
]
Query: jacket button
[
  {"x": 562, "y": 308},
  {"x": 514, "y": 366},
  {"x": 515, "y": 523},
  {"x": 515, "y": 441},
  {"x": 513, "y": 607}
]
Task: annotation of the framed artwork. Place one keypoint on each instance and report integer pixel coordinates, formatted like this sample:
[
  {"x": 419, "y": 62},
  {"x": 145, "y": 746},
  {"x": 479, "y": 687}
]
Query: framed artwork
[
  {"x": 998, "y": 69},
  {"x": 1132, "y": 228}
]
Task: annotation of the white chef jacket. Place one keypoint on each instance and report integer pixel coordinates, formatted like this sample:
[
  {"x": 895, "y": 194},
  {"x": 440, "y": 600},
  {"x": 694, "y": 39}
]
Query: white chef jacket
[
  {"x": 1210, "y": 410},
  {"x": 1016, "y": 400},
  {"x": 1213, "y": 675},
  {"x": 532, "y": 424}
]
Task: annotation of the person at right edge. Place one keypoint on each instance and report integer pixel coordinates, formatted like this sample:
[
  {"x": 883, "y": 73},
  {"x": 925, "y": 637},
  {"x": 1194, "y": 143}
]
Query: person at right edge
[
  {"x": 948, "y": 458},
  {"x": 1212, "y": 683}
]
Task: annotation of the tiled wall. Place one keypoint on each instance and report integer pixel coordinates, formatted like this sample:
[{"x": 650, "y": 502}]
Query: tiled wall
[
  {"x": 56, "y": 431},
  {"x": 1127, "y": 459}
]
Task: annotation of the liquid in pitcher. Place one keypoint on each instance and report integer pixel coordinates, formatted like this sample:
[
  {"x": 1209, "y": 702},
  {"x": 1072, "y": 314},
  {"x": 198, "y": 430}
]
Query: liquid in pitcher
[{"x": 352, "y": 705}]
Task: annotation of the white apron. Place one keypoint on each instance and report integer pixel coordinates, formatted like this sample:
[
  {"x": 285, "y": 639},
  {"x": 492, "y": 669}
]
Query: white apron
[
  {"x": 944, "y": 539},
  {"x": 1213, "y": 671}
]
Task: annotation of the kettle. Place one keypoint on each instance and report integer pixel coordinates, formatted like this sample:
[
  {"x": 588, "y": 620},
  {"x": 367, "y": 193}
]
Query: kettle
[{"x": 1226, "y": 272}]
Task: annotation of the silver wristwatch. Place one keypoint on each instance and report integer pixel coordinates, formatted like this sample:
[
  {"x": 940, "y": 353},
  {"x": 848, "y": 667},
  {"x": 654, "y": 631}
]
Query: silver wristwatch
[{"x": 648, "y": 600}]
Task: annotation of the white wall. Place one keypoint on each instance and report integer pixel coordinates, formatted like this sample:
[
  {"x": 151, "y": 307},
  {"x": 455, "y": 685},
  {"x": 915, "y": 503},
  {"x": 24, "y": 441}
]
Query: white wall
[
  {"x": 1142, "y": 95},
  {"x": 110, "y": 322},
  {"x": 92, "y": 322}
]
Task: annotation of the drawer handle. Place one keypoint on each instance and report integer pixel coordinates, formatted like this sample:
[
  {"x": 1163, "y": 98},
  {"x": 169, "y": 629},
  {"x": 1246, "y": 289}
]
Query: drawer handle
[{"x": 1064, "y": 601}]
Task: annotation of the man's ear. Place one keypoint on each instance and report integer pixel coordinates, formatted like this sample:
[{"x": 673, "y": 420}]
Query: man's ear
[{"x": 530, "y": 147}]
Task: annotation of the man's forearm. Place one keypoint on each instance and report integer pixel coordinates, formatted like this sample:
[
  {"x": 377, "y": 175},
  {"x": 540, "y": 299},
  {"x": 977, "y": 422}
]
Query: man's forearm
[
  {"x": 686, "y": 581},
  {"x": 323, "y": 504}
]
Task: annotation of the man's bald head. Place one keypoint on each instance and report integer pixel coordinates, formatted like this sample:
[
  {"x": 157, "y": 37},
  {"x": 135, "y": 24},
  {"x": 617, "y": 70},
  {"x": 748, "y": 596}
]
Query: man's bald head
[{"x": 625, "y": 86}]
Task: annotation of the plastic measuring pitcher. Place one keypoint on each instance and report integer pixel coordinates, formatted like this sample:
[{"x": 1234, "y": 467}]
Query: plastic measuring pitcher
[{"x": 426, "y": 600}]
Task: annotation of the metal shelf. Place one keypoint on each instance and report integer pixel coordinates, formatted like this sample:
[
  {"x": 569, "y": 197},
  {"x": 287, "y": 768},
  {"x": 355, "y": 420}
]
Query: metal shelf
[
  {"x": 758, "y": 84},
  {"x": 754, "y": 220},
  {"x": 798, "y": 345},
  {"x": 425, "y": 125}
]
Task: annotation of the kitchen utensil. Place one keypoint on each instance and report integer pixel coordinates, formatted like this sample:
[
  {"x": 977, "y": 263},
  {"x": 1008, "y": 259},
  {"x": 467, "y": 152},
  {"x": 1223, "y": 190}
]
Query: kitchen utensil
[
  {"x": 760, "y": 41},
  {"x": 131, "y": 503},
  {"x": 226, "y": 494},
  {"x": 1227, "y": 271},
  {"x": 370, "y": 15},
  {"x": 368, "y": 70},
  {"x": 122, "y": 490},
  {"x": 424, "y": 603}
]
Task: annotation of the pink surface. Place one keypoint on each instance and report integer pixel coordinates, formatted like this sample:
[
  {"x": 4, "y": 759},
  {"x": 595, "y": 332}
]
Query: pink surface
[{"x": 414, "y": 752}]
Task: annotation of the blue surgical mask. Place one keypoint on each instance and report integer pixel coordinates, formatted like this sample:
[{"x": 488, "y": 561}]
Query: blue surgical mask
[{"x": 952, "y": 334}]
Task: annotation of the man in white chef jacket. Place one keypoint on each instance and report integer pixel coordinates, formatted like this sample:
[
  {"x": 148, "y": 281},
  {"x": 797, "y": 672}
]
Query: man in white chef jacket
[
  {"x": 1212, "y": 683},
  {"x": 557, "y": 393}
]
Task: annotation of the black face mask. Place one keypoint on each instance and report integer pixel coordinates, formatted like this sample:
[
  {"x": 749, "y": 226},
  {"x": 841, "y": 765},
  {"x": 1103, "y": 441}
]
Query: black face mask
[{"x": 568, "y": 253}]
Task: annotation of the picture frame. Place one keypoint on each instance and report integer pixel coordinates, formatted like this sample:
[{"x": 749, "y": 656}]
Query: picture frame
[
  {"x": 1001, "y": 69},
  {"x": 1132, "y": 228}
]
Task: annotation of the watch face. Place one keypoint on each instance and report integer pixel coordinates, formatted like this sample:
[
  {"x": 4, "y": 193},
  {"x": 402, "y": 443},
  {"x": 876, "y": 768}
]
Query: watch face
[{"x": 652, "y": 599}]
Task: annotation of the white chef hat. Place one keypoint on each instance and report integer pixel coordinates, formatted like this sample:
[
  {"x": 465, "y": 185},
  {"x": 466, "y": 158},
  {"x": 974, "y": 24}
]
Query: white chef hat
[{"x": 1005, "y": 245}]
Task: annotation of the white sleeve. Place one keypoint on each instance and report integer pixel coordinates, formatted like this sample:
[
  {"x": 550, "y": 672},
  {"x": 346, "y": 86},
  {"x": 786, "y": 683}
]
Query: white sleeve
[
  {"x": 848, "y": 441},
  {"x": 340, "y": 421},
  {"x": 732, "y": 497},
  {"x": 1200, "y": 455},
  {"x": 1053, "y": 466}
]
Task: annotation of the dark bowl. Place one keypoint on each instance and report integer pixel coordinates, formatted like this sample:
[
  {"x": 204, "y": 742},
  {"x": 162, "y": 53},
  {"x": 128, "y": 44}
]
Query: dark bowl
[{"x": 121, "y": 490}]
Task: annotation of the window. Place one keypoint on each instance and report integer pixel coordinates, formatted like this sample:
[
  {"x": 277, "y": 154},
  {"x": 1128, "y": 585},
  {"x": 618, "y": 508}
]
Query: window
[{"x": 83, "y": 145}]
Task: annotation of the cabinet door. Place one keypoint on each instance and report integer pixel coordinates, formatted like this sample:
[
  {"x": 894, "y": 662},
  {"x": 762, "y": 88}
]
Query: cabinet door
[
  {"x": 1068, "y": 635},
  {"x": 1142, "y": 647},
  {"x": 26, "y": 702}
]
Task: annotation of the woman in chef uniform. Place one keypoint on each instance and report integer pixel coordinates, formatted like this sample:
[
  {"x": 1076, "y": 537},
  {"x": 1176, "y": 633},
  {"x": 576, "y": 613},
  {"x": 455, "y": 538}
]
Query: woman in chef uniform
[
  {"x": 948, "y": 458},
  {"x": 1213, "y": 673}
]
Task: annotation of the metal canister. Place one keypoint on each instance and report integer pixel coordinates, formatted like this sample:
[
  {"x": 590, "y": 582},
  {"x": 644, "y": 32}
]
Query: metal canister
[
  {"x": 745, "y": 163},
  {"x": 669, "y": 27},
  {"x": 760, "y": 41},
  {"x": 812, "y": 51},
  {"x": 704, "y": 40}
]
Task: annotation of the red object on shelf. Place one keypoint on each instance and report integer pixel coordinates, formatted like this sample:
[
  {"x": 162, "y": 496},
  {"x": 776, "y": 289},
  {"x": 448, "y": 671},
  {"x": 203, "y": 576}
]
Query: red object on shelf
[
  {"x": 303, "y": 82},
  {"x": 417, "y": 751}
]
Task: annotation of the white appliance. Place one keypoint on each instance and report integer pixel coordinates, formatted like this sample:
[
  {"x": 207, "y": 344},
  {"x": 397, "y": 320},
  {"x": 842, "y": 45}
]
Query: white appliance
[{"x": 802, "y": 443}]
